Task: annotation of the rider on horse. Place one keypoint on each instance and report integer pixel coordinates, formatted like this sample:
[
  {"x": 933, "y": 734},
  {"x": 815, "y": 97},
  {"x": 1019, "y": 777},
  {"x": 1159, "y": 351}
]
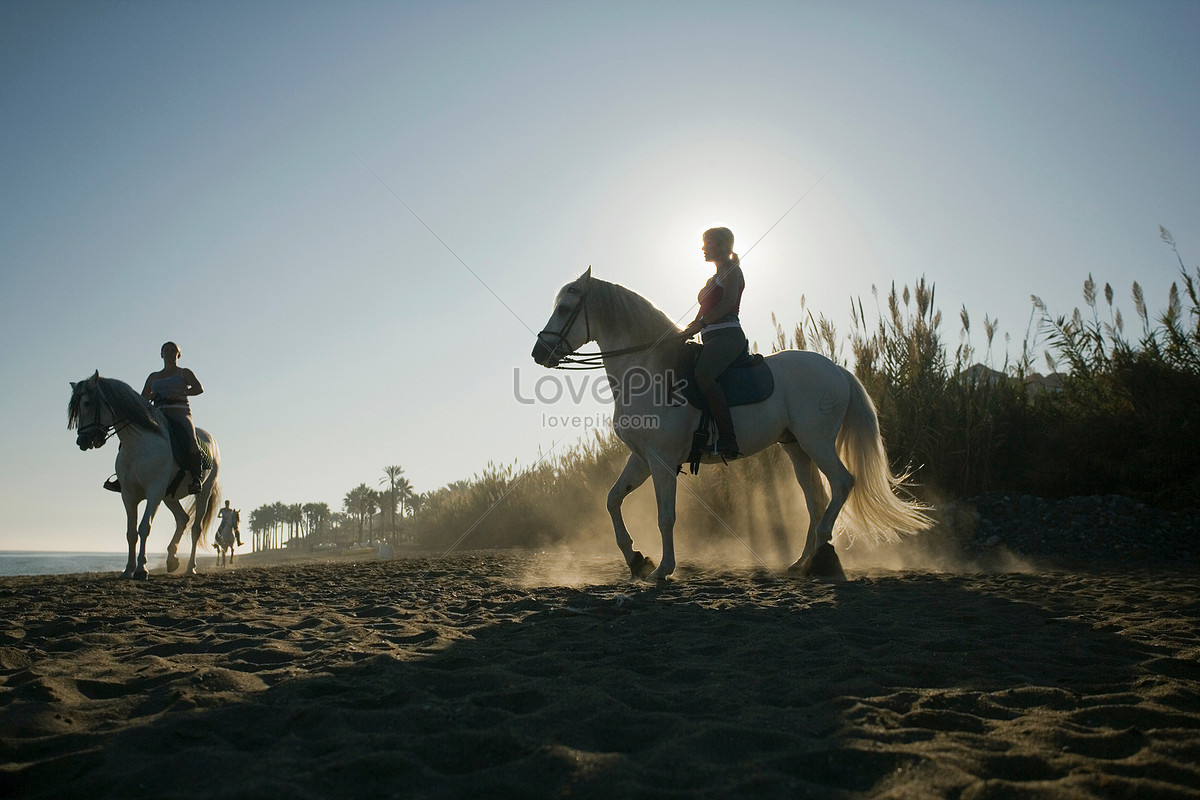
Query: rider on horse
[
  {"x": 169, "y": 389},
  {"x": 230, "y": 518},
  {"x": 721, "y": 331}
]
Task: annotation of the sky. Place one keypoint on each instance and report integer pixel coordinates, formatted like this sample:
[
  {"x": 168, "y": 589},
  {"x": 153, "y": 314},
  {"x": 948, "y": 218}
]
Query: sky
[{"x": 353, "y": 217}]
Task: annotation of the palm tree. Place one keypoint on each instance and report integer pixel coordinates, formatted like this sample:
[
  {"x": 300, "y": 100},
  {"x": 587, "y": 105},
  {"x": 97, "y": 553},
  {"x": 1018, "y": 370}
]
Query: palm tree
[
  {"x": 374, "y": 502},
  {"x": 392, "y": 477},
  {"x": 360, "y": 503},
  {"x": 337, "y": 525},
  {"x": 261, "y": 520},
  {"x": 404, "y": 493},
  {"x": 295, "y": 521},
  {"x": 316, "y": 514},
  {"x": 279, "y": 518},
  {"x": 350, "y": 503}
]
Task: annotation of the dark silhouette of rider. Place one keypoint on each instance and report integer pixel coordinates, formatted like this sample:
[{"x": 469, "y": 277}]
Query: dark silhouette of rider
[
  {"x": 169, "y": 389},
  {"x": 720, "y": 330}
]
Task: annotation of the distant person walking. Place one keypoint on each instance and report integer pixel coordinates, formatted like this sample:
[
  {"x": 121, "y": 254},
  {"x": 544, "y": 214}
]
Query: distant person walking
[{"x": 720, "y": 330}]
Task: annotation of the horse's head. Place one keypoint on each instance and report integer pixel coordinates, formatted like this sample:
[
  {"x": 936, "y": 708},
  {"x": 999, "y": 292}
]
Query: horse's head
[
  {"x": 88, "y": 411},
  {"x": 568, "y": 328}
]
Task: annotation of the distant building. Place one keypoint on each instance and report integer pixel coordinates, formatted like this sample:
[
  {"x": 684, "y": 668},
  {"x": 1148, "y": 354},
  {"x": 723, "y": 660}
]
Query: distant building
[
  {"x": 1038, "y": 383},
  {"x": 1035, "y": 383}
]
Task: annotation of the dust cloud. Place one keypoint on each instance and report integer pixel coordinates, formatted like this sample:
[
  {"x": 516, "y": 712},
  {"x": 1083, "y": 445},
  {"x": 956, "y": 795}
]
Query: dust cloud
[{"x": 752, "y": 518}]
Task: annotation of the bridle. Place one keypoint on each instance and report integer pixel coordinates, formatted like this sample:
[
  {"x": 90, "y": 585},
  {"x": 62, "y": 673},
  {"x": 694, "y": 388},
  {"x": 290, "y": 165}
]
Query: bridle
[
  {"x": 94, "y": 434},
  {"x": 580, "y": 361},
  {"x": 560, "y": 335}
]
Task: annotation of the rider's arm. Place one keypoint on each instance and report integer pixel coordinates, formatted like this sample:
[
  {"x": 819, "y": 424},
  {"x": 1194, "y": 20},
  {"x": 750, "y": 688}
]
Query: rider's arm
[
  {"x": 146, "y": 393},
  {"x": 193, "y": 385}
]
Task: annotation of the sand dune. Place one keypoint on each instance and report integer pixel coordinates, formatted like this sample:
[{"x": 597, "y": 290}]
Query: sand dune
[{"x": 487, "y": 674}]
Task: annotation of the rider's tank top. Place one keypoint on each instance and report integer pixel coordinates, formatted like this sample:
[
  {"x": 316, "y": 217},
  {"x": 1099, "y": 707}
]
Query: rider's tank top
[
  {"x": 708, "y": 298},
  {"x": 174, "y": 387}
]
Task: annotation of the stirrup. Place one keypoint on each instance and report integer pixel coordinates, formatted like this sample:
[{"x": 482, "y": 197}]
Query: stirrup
[
  {"x": 112, "y": 484},
  {"x": 195, "y": 486},
  {"x": 727, "y": 449}
]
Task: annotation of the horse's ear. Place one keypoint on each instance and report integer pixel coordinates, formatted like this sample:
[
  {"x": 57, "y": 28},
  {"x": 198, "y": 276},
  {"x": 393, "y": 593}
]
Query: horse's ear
[
  {"x": 72, "y": 385},
  {"x": 95, "y": 378},
  {"x": 587, "y": 274}
]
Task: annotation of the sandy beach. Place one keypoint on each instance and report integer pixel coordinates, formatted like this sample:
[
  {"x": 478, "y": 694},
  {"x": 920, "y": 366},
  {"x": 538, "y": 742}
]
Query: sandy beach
[{"x": 546, "y": 675}]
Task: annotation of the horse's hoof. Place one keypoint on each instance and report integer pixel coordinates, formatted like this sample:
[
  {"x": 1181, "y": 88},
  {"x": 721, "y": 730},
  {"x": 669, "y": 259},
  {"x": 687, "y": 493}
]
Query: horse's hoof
[
  {"x": 172, "y": 563},
  {"x": 141, "y": 575},
  {"x": 823, "y": 564},
  {"x": 641, "y": 568},
  {"x": 127, "y": 575}
]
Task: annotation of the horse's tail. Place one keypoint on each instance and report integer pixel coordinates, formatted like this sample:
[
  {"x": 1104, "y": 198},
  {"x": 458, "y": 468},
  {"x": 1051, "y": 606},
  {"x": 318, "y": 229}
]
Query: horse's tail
[
  {"x": 873, "y": 507},
  {"x": 214, "y": 503},
  {"x": 214, "y": 497}
]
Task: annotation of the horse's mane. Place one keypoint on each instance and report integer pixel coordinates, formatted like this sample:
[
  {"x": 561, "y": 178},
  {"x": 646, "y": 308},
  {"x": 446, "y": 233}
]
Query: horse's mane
[
  {"x": 125, "y": 403},
  {"x": 642, "y": 319}
]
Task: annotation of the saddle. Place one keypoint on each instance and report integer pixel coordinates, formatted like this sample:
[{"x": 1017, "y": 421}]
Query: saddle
[
  {"x": 746, "y": 381},
  {"x": 178, "y": 435}
]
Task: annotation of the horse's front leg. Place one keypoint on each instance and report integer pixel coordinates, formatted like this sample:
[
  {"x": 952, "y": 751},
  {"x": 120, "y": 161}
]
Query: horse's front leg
[
  {"x": 143, "y": 533},
  {"x": 634, "y": 475},
  {"x": 131, "y": 531},
  {"x": 181, "y": 521},
  {"x": 664, "y": 491}
]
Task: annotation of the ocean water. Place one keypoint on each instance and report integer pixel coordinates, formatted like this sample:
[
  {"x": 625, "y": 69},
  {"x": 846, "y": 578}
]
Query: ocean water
[{"x": 36, "y": 562}]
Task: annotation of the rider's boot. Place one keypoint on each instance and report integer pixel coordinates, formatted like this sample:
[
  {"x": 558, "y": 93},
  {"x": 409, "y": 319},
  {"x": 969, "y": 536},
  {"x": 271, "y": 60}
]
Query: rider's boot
[
  {"x": 727, "y": 446},
  {"x": 195, "y": 469}
]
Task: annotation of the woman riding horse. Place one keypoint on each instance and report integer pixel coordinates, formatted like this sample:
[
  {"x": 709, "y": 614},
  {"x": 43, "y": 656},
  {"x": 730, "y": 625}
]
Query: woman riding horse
[
  {"x": 818, "y": 412},
  {"x": 721, "y": 331},
  {"x": 169, "y": 389}
]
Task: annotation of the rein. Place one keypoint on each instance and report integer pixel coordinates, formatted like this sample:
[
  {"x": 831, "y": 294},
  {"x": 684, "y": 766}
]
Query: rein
[
  {"x": 596, "y": 360},
  {"x": 583, "y": 361}
]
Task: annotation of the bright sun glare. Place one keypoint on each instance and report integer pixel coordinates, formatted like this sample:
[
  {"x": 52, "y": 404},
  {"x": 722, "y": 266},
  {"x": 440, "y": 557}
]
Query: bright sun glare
[{"x": 647, "y": 232}]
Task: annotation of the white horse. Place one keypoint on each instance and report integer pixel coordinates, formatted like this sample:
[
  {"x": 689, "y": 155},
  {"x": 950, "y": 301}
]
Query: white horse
[
  {"x": 819, "y": 413},
  {"x": 227, "y": 534},
  {"x": 145, "y": 464}
]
